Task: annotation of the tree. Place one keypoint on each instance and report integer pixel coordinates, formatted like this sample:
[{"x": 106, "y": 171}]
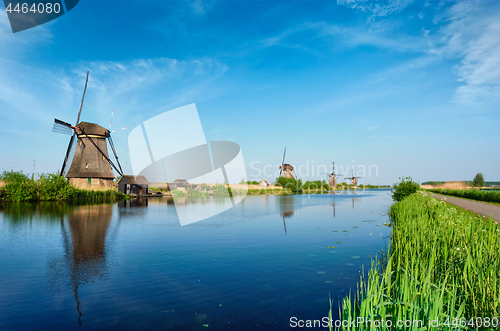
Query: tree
[
  {"x": 478, "y": 181},
  {"x": 403, "y": 189}
]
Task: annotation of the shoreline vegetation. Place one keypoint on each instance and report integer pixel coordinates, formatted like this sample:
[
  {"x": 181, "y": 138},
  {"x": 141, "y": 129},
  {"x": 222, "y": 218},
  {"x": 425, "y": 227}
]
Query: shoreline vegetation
[
  {"x": 441, "y": 271},
  {"x": 282, "y": 186},
  {"x": 491, "y": 196},
  {"x": 19, "y": 187}
]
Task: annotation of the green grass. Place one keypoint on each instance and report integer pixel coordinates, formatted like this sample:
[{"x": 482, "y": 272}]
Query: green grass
[
  {"x": 49, "y": 187},
  {"x": 443, "y": 263},
  {"x": 477, "y": 195}
]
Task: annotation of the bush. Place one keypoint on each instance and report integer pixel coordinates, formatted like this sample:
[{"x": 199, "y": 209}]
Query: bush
[
  {"x": 49, "y": 187},
  {"x": 295, "y": 185},
  {"x": 316, "y": 185},
  {"x": 403, "y": 189}
]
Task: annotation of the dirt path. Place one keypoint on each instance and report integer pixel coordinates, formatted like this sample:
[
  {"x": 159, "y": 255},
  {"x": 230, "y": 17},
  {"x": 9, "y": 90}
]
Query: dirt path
[{"x": 481, "y": 208}]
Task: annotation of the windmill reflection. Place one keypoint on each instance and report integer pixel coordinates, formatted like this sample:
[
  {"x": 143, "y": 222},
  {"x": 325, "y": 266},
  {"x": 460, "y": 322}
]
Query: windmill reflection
[
  {"x": 353, "y": 199},
  {"x": 286, "y": 207},
  {"x": 333, "y": 204},
  {"x": 85, "y": 245}
]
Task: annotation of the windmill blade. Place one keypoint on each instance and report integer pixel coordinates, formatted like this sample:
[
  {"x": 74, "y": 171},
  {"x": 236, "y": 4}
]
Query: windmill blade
[
  {"x": 83, "y": 98},
  {"x": 67, "y": 153},
  {"x": 62, "y": 127},
  {"x": 282, "y": 162},
  {"x": 111, "y": 120},
  {"x": 119, "y": 129}
]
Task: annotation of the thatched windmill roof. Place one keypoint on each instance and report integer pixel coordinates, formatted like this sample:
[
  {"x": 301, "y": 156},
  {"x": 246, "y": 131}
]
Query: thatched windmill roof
[{"x": 91, "y": 129}]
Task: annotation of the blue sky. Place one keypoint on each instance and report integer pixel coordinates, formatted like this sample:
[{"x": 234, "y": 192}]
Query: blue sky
[{"x": 411, "y": 87}]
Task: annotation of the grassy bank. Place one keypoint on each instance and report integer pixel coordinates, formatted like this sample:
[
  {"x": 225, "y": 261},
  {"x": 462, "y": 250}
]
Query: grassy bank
[
  {"x": 442, "y": 271},
  {"x": 49, "y": 187},
  {"x": 478, "y": 195}
]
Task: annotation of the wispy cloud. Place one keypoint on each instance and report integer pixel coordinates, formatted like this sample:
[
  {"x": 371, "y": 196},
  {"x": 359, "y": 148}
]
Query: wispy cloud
[
  {"x": 472, "y": 34},
  {"x": 379, "y": 8}
]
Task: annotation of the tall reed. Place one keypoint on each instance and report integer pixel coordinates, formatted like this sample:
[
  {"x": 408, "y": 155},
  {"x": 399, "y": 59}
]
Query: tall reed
[{"x": 442, "y": 272}]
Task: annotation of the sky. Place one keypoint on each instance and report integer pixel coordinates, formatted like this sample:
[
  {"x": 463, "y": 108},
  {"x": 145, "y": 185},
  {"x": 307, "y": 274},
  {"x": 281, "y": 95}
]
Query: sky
[{"x": 387, "y": 88}]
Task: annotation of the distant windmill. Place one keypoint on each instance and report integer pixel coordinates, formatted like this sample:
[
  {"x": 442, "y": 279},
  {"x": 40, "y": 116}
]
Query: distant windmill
[
  {"x": 91, "y": 165},
  {"x": 354, "y": 180},
  {"x": 286, "y": 170},
  {"x": 332, "y": 178}
]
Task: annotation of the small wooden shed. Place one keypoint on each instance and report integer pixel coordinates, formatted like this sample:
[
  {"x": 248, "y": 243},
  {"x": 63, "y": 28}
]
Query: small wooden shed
[
  {"x": 133, "y": 185},
  {"x": 264, "y": 183}
]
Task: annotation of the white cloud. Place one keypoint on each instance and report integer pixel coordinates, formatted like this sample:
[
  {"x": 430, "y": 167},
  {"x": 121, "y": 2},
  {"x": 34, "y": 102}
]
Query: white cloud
[
  {"x": 467, "y": 32},
  {"x": 472, "y": 35},
  {"x": 379, "y": 9}
]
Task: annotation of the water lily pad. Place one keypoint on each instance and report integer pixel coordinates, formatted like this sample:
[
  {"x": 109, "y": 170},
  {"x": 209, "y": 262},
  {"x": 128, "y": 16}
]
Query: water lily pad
[
  {"x": 321, "y": 272},
  {"x": 338, "y": 242},
  {"x": 344, "y": 230},
  {"x": 330, "y": 247}
]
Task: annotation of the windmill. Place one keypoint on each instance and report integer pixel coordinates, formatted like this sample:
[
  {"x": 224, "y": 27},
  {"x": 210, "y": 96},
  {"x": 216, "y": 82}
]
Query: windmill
[
  {"x": 91, "y": 165},
  {"x": 354, "y": 180},
  {"x": 332, "y": 178},
  {"x": 286, "y": 170}
]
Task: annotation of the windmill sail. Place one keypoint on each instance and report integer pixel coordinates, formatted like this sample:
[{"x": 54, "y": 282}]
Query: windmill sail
[{"x": 74, "y": 133}]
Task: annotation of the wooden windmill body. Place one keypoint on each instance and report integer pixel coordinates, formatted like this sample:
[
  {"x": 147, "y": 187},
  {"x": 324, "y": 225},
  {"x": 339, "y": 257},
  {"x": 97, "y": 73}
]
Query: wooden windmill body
[
  {"x": 91, "y": 165},
  {"x": 332, "y": 177},
  {"x": 286, "y": 170},
  {"x": 354, "y": 180}
]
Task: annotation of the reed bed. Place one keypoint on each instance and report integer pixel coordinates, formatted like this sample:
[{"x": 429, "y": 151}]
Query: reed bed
[
  {"x": 442, "y": 272},
  {"x": 478, "y": 195},
  {"x": 50, "y": 187}
]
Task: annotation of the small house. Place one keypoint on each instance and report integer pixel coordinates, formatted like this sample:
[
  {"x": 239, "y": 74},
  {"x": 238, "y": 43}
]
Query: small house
[
  {"x": 133, "y": 185},
  {"x": 264, "y": 183},
  {"x": 178, "y": 184}
]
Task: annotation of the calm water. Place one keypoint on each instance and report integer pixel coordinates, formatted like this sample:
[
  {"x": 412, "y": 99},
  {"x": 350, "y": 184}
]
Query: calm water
[{"x": 131, "y": 265}]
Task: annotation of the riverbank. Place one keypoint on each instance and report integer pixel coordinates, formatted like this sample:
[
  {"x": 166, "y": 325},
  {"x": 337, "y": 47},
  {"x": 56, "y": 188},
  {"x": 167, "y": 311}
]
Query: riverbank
[
  {"x": 442, "y": 271},
  {"x": 50, "y": 187}
]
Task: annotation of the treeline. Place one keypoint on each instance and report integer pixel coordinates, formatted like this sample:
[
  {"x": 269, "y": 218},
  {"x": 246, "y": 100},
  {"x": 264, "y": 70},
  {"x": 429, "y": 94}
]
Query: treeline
[
  {"x": 478, "y": 195},
  {"x": 49, "y": 187},
  {"x": 431, "y": 182}
]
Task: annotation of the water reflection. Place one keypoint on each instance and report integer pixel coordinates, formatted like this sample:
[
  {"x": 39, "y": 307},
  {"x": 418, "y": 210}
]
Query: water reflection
[
  {"x": 333, "y": 204},
  {"x": 287, "y": 206},
  {"x": 84, "y": 239},
  {"x": 353, "y": 199}
]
